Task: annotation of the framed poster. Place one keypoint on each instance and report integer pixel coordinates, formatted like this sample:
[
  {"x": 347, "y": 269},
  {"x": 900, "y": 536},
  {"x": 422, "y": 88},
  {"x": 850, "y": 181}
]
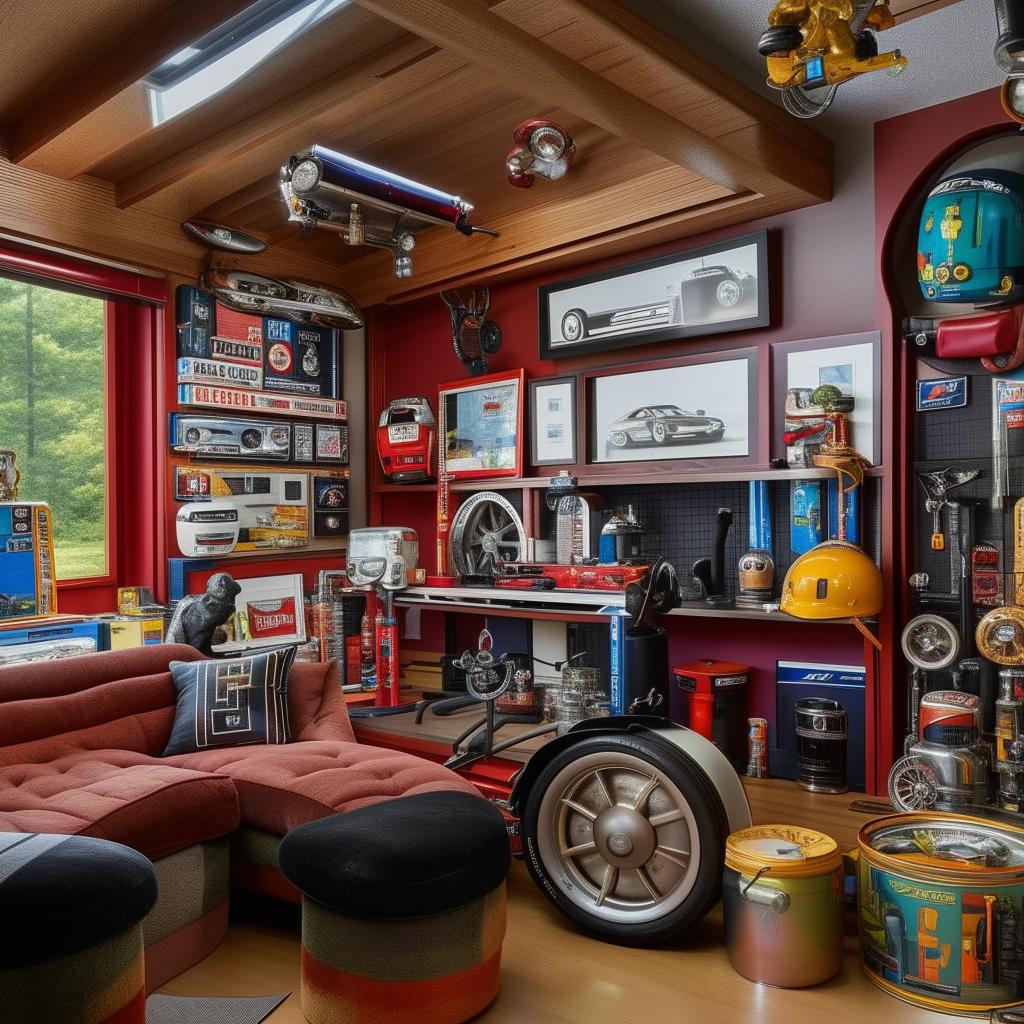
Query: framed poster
[
  {"x": 269, "y": 612},
  {"x": 706, "y": 290},
  {"x": 553, "y": 421},
  {"x": 852, "y": 362},
  {"x": 698, "y": 407},
  {"x": 481, "y": 425}
]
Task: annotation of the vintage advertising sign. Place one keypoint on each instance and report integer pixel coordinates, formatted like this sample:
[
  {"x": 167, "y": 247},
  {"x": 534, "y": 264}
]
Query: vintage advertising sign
[
  {"x": 216, "y": 371},
  {"x": 941, "y": 393},
  {"x": 248, "y": 353},
  {"x": 258, "y": 401}
]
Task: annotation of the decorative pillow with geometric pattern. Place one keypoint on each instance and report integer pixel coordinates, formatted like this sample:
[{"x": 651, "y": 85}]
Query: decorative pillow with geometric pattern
[{"x": 230, "y": 702}]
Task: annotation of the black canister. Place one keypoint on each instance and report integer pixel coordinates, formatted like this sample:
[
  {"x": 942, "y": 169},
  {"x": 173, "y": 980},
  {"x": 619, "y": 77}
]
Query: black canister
[{"x": 821, "y": 730}]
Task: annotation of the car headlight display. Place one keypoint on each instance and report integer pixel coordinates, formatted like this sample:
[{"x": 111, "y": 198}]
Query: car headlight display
[{"x": 305, "y": 176}]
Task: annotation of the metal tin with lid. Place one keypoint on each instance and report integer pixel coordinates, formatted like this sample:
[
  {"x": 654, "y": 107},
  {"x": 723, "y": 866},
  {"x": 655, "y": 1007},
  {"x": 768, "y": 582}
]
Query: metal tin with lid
[
  {"x": 941, "y": 910},
  {"x": 783, "y": 902}
]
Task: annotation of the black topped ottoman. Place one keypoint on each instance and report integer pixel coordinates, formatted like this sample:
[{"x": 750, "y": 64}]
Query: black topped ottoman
[
  {"x": 70, "y": 930},
  {"x": 403, "y": 910}
]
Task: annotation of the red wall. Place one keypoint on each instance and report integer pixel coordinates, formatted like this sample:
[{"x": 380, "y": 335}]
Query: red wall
[{"x": 416, "y": 356}]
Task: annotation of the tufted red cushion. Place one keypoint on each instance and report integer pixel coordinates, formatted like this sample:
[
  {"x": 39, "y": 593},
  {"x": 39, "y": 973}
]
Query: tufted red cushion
[
  {"x": 281, "y": 787},
  {"x": 118, "y": 795}
]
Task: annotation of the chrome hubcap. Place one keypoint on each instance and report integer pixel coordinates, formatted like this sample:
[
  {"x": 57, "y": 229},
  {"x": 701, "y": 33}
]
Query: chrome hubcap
[{"x": 618, "y": 838}]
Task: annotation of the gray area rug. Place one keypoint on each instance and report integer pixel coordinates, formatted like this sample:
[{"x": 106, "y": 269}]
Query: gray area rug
[{"x": 163, "y": 1009}]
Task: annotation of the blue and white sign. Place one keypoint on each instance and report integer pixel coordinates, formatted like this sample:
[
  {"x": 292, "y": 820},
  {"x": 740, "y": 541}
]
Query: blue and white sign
[{"x": 941, "y": 393}]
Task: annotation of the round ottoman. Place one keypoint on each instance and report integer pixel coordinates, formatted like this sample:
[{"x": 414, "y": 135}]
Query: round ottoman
[
  {"x": 403, "y": 909},
  {"x": 70, "y": 930}
]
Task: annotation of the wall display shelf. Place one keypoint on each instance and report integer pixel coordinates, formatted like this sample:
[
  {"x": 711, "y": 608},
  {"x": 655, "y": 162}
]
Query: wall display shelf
[
  {"x": 572, "y": 603},
  {"x": 610, "y": 479}
]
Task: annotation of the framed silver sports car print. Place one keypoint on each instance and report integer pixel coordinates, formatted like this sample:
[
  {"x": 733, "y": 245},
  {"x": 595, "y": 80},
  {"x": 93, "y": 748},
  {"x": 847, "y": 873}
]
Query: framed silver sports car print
[
  {"x": 706, "y": 290},
  {"x": 697, "y": 407}
]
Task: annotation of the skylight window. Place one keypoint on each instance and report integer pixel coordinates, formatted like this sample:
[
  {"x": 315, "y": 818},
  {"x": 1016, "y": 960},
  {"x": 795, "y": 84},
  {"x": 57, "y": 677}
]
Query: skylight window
[{"x": 228, "y": 53}]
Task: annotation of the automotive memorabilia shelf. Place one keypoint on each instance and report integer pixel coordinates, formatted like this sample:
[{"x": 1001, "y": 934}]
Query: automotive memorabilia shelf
[{"x": 259, "y": 450}]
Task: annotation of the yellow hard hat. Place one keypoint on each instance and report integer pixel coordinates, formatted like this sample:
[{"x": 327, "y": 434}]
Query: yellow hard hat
[{"x": 835, "y": 580}]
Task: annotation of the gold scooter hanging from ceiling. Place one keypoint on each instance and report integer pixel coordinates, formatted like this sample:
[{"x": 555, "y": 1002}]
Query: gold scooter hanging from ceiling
[{"x": 812, "y": 46}]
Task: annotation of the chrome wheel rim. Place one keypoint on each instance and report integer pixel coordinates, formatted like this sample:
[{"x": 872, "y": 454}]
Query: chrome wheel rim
[
  {"x": 618, "y": 439},
  {"x": 912, "y": 785},
  {"x": 659, "y": 432},
  {"x": 486, "y": 530},
  {"x": 572, "y": 327},
  {"x": 618, "y": 838}
]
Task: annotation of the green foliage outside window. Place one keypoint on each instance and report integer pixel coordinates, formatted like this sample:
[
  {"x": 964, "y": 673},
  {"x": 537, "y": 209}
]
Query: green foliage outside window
[{"x": 52, "y": 409}]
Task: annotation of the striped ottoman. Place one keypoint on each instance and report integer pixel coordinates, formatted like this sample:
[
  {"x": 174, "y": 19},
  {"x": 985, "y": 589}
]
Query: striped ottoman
[
  {"x": 70, "y": 930},
  {"x": 403, "y": 910}
]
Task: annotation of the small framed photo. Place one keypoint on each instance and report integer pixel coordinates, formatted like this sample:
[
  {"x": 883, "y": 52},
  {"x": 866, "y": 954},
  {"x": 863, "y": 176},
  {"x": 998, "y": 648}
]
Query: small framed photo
[
  {"x": 696, "y": 292},
  {"x": 480, "y": 426},
  {"x": 553, "y": 421},
  {"x": 303, "y": 441},
  {"x": 269, "y": 612},
  {"x": 849, "y": 362},
  {"x": 331, "y": 443}
]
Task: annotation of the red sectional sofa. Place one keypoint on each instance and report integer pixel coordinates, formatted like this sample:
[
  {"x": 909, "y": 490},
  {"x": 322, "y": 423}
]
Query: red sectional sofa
[{"x": 80, "y": 745}]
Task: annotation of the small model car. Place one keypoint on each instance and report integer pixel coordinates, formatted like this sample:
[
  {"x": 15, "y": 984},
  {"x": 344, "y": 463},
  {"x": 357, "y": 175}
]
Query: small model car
[
  {"x": 289, "y": 299},
  {"x": 664, "y": 424},
  {"x": 711, "y": 291}
]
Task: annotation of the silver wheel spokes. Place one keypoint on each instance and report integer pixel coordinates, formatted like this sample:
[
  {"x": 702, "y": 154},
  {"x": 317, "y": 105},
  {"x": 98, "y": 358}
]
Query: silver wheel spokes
[
  {"x": 623, "y": 835},
  {"x": 911, "y": 787}
]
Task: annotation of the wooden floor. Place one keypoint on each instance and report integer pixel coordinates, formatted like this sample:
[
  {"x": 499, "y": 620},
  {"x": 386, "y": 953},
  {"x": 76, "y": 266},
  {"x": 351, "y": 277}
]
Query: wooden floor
[{"x": 551, "y": 974}]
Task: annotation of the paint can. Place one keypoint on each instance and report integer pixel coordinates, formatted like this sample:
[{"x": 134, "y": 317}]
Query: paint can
[
  {"x": 783, "y": 905},
  {"x": 941, "y": 910}
]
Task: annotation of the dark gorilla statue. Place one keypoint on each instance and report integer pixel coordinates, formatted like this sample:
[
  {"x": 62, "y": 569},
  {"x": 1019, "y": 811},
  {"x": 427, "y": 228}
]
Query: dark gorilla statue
[{"x": 197, "y": 617}]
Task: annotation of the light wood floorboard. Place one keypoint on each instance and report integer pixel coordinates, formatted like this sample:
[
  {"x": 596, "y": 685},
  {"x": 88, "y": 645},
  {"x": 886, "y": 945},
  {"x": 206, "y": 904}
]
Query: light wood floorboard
[{"x": 552, "y": 974}]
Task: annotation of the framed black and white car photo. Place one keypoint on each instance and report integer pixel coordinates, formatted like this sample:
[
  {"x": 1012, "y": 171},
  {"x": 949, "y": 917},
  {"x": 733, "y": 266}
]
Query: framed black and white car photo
[
  {"x": 707, "y": 290},
  {"x": 553, "y": 421}
]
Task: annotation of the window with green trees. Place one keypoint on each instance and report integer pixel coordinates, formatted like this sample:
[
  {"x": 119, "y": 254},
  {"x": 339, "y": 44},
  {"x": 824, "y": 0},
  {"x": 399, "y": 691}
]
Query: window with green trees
[{"x": 53, "y": 414}]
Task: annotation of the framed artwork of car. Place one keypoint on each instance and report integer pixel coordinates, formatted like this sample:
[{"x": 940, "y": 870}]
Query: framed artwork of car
[
  {"x": 480, "y": 426},
  {"x": 698, "y": 407},
  {"x": 706, "y": 290}
]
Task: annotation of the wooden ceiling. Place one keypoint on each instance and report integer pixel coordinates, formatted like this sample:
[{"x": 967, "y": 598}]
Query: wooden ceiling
[{"x": 669, "y": 145}]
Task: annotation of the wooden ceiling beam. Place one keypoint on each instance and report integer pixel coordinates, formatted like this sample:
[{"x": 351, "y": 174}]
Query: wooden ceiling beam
[
  {"x": 513, "y": 58},
  {"x": 126, "y": 62},
  {"x": 906, "y": 10},
  {"x": 286, "y": 123}
]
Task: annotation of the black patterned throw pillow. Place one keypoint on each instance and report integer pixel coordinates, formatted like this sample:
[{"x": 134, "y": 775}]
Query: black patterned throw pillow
[{"x": 230, "y": 702}]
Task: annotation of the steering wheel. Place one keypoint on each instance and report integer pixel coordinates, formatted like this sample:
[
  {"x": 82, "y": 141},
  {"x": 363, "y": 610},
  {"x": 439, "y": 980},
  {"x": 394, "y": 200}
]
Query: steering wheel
[{"x": 486, "y": 678}]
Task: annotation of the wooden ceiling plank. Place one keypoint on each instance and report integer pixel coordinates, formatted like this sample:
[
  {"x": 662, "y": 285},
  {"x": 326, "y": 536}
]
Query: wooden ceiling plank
[
  {"x": 126, "y": 62},
  {"x": 906, "y": 10},
  {"x": 330, "y": 94},
  {"x": 686, "y": 86},
  {"x": 531, "y": 67}
]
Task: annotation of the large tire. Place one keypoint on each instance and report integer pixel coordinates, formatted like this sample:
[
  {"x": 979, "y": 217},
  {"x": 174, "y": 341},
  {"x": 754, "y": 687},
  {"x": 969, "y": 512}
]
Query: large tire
[
  {"x": 659, "y": 435},
  {"x": 625, "y": 890}
]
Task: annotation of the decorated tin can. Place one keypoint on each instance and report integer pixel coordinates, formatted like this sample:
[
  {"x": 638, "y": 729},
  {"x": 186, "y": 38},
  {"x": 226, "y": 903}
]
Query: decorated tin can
[
  {"x": 783, "y": 903},
  {"x": 941, "y": 909}
]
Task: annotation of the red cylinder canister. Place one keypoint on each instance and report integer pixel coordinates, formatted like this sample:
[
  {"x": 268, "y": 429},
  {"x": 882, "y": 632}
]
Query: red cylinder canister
[{"x": 725, "y": 682}]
